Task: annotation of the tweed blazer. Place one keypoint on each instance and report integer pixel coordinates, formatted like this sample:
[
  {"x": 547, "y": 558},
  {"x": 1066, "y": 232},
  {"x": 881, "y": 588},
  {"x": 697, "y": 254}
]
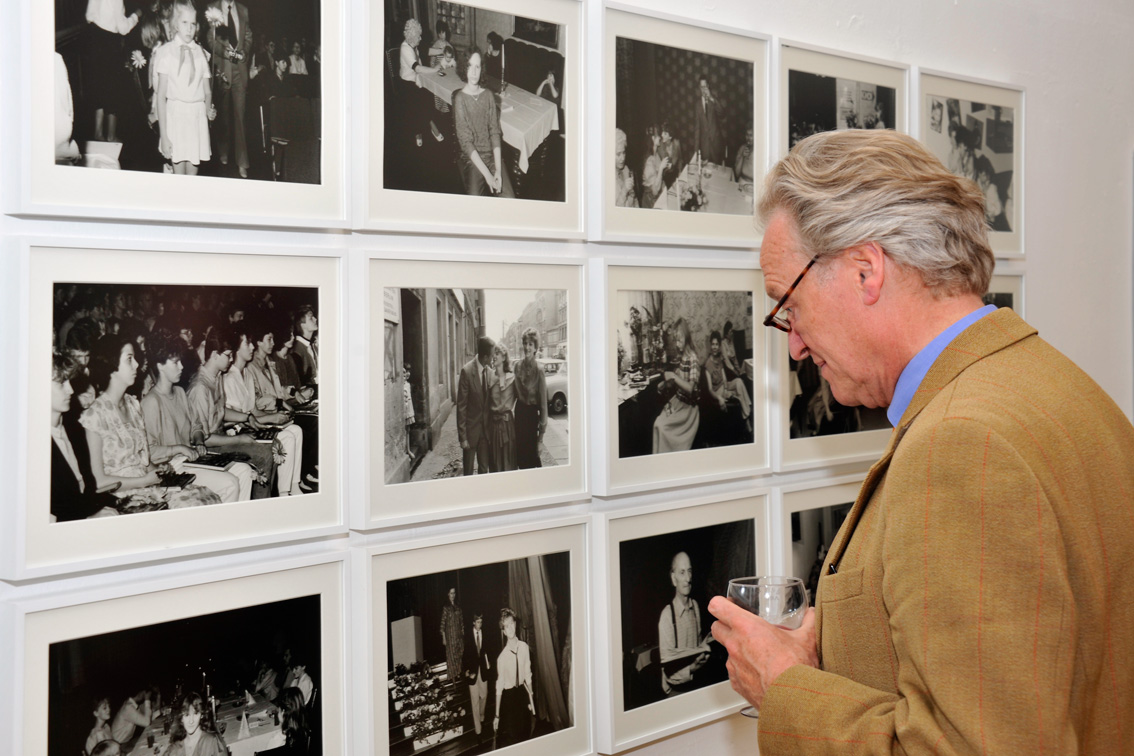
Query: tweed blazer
[{"x": 982, "y": 600}]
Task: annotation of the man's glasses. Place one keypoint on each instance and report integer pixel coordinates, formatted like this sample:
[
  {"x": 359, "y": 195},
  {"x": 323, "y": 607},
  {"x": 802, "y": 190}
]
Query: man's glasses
[{"x": 774, "y": 319}]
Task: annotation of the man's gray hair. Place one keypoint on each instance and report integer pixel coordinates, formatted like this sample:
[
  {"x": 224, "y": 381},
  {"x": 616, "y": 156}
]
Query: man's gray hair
[{"x": 844, "y": 188}]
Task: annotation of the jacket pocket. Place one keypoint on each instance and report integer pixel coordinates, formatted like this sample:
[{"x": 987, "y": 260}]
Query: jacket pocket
[{"x": 843, "y": 585}]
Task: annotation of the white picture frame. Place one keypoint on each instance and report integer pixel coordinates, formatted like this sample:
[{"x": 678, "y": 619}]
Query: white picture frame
[
  {"x": 75, "y": 608},
  {"x": 380, "y": 209},
  {"x": 39, "y": 188},
  {"x": 627, "y": 224},
  {"x": 811, "y": 499},
  {"x": 939, "y": 92},
  {"x": 640, "y": 470},
  {"x": 617, "y": 728},
  {"x": 425, "y": 500},
  {"x": 822, "y": 63},
  {"x": 384, "y": 563},
  {"x": 39, "y": 547}
]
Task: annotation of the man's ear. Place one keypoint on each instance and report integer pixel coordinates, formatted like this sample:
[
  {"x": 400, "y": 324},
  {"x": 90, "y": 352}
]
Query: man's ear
[{"x": 868, "y": 263}]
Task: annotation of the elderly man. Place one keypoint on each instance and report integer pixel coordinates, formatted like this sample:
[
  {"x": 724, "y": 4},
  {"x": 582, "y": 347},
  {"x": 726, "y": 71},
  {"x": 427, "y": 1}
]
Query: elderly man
[
  {"x": 972, "y": 601},
  {"x": 682, "y": 649}
]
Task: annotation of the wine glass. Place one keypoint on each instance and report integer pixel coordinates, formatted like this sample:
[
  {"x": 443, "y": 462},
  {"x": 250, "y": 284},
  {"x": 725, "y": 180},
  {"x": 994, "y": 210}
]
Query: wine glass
[{"x": 779, "y": 600}]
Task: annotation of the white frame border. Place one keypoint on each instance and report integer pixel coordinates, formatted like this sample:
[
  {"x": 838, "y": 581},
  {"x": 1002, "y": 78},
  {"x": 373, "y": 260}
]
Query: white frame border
[
  {"x": 43, "y": 191},
  {"x": 615, "y": 729},
  {"x": 28, "y": 558},
  {"x": 799, "y": 497},
  {"x": 611, "y": 475},
  {"x": 1006, "y": 244},
  {"x": 379, "y": 209}
]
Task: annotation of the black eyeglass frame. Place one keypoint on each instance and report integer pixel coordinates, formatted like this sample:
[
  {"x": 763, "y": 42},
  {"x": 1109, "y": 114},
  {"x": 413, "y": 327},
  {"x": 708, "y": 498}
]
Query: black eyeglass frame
[{"x": 782, "y": 324}]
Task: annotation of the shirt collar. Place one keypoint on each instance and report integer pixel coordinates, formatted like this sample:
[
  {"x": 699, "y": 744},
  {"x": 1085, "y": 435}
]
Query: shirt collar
[{"x": 915, "y": 372}]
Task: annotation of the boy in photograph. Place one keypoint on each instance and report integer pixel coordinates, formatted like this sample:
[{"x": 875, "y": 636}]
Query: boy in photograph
[{"x": 477, "y": 669}]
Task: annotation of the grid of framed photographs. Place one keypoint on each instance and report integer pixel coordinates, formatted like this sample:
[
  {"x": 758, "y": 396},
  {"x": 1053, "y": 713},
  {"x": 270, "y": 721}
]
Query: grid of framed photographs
[{"x": 482, "y": 303}]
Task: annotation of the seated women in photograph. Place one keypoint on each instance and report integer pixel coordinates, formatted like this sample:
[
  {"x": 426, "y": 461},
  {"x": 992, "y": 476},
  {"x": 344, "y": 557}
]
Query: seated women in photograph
[
  {"x": 210, "y": 417},
  {"x": 295, "y": 736},
  {"x": 116, "y": 433},
  {"x": 73, "y": 495},
  {"x": 722, "y": 388},
  {"x": 477, "y": 121},
  {"x": 732, "y": 365},
  {"x": 165, "y": 411},
  {"x": 189, "y": 736},
  {"x": 676, "y": 425},
  {"x": 657, "y": 163},
  {"x": 501, "y": 421},
  {"x": 266, "y": 681},
  {"x": 240, "y": 395},
  {"x": 101, "y": 729},
  {"x": 625, "y": 195}
]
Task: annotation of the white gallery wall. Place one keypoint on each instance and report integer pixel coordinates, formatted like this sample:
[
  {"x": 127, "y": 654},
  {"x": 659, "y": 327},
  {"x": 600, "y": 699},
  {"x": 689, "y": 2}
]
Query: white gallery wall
[{"x": 1074, "y": 60}]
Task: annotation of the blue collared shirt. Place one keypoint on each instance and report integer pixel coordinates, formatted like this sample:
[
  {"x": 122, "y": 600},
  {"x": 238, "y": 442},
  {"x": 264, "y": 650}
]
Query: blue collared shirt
[{"x": 915, "y": 371}]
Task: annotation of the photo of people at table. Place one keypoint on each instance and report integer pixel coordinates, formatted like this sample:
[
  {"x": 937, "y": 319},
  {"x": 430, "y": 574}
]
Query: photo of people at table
[
  {"x": 685, "y": 370},
  {"x": 684, "y": 132},
  {"x": 818, "y": 103},
  {"x": 665, "y": 583},
  {"x": 476, "y": 381},
  {"x": 234, "y": 683},
  {"x": 479, "y": 658},
  {"x": 975, "y": 140},
  {"x": 172, "y": 396},
  {"x": 224, "y": 88},
  {"x": 473, "y": 102}
]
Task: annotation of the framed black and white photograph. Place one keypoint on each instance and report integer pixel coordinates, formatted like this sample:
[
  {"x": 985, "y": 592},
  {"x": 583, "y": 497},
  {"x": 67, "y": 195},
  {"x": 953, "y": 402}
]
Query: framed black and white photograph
[
  {"x": 823, "y": 90},
  {"x": 806, "y": 522},
  {"x": 684, "y": 375},
  {"x": 184, "y": 406},
  {"x": 239, "y": 665},
  {"x": 475, "y": 116},
  {"x": 684, "y": 131},
  {"x": 477, "y": 378},
  {"x": 186, "y": 111},
  {"x": 976, "y": 128},
  {"x": 662, "y": 669},
  {"x": 485, "y": 651}
]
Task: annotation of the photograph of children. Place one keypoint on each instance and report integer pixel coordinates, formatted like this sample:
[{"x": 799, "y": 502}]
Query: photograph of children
[
  {"x": 172, "y": 396},
  {"x": 666, "y": 582},
  {"x": 242, "y": 681},
  {"x": 190, "y": 87},
  {"x": 813, "y": 532},
  {"x": 975, "y": 140},
  {"x": 473, "y": 103},
  {"x": 684, "y": 132},
  {"x": 818, "y": 103},
  {"x": 476, "y": 381},
  {"x": 682, "y": 377},
  {"x": 479, "y": 658}
]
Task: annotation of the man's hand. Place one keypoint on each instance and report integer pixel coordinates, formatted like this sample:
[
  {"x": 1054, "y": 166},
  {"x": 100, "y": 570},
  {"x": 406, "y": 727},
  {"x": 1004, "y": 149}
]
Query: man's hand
[{"x": 758, "y": 651}]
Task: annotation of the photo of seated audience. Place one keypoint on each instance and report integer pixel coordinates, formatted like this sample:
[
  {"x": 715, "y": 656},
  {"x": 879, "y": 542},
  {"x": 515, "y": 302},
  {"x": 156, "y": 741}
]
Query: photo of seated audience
[
  {"x": 190, "y": 686},
  {"x": 473, "y": 103},
  {"x": 684, "y": 371},
  {"x": 683, "y": 129},
  {"x": 222, "y": 88},
  {"x": 168, "y": 396}
]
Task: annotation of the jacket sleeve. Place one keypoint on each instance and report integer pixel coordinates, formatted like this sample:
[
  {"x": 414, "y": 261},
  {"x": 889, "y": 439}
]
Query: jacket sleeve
[
  {"x": 462, "y": 404},
  {"x": 981, "y": 621}
]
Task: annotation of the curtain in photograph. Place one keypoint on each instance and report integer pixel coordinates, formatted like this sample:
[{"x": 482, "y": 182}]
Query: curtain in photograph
[{"x": 531, "y": 599}]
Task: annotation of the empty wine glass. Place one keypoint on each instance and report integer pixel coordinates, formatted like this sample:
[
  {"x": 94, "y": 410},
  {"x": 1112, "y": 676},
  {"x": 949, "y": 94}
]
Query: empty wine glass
[{"x": 779, "y": 600}]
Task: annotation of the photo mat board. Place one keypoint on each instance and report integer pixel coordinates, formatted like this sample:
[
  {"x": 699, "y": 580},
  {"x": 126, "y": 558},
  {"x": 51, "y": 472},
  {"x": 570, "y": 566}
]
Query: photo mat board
[
  {"x": 723, "y": 540},
  {"x": 52, "y": 546},
  {"x": 827, "y": 91},
  {"x": 293, "y": 135},
  {"x": 653, "y": 74},
  {"x": 63, "y": 643},
  {"x": 540, "y": 576},
  {"x": 426, "y": 319},
  {"x": 529, "y": 104},
  {"x": 644, "y": 410},
  {"x": 977, "y": 130}
]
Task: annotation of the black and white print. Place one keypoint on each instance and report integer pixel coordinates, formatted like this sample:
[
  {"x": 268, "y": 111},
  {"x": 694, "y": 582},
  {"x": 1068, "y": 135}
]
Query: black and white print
[
  {"x": 666, "y": 582},
  {"x": 814, "y": 411},
  {"x": 818, "y": 103},
  {"x": 246, "y": 680},
  {"x": 172, "y": 396},
  {"x": 476, "y": 381},
  {"x": 685, "y": 370},
  {"x": 195, "y": 87},
  {"x": 684, "y": 135},
  {"x": 976, "y": 140},
  {"x": 812, "y": 534},
  {"x": 473, "y": 102},
  {"x": 480, "y": 658}
]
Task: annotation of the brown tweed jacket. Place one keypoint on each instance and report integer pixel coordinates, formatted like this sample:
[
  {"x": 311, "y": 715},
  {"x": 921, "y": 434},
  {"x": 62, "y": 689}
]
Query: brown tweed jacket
[{"x": 983, "y": 601}]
